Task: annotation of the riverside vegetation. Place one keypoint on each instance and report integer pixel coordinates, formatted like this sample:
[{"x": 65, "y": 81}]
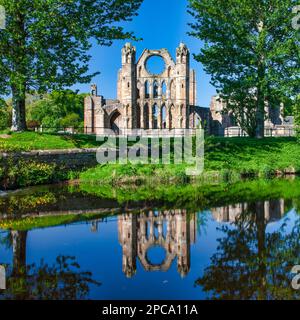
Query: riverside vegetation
[
  {"x": 40, "y": 207},
  {"x": 225, "y": 158}
]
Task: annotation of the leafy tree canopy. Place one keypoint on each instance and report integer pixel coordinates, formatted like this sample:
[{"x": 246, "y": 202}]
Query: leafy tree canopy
[
  {"x": 46, "y": 42},
  {"x": 252, "y": 53}
]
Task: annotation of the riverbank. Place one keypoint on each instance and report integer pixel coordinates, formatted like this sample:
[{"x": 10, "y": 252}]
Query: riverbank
[
  {"x": 225, "y": 158},
  {"x": 228, "y": 159},
  {"x": 48, "y": 206}
]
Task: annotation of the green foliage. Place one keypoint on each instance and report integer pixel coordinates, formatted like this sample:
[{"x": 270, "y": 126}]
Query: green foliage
[
  {"x": 252, "y": 263},
  {"x": 71, "y": 120},
  {"x": 29, "y": 173},
  {"x": 195, "y": 197},
  {"x": 58, "y": 109},
  {"x": 252, "y": 53},
  {"x": 227, "y": 158},
  {"x": 5, "y": 115},
  {"x": 63, "y": 280},
  {"x": 29, "y": 223},
  {"x": 45, "y": 45},
  {"x": 45, "y": 199},
  {"x": 296, "y": 113}
]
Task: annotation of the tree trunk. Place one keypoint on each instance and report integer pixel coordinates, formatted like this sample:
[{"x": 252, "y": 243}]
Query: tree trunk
[
  {"x": 261, "y": 243},
  {"x": 19, "y": 252},
  {"x": 260, "y": 118},
  {"x": 18, "y": 110}
]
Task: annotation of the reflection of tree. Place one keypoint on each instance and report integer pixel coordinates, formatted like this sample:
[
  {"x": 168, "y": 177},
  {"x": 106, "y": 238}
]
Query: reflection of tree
[
  {"x": 202, "y": 222},
  {"x": 251, "y": 263},
  {"x": 61, "y": 281}
]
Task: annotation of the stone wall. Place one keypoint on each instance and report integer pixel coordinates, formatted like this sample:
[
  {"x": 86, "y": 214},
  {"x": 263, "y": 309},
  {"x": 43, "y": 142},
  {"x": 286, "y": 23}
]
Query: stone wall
[{"x": 69, "y": 159}]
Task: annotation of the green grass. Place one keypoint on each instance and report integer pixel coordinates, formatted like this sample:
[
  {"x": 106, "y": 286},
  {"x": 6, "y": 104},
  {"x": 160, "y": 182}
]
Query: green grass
[
  {"x": 30, "y": 223},
  {"x": 246, "y": 154},
  {"x": 224, "y": 157},
  {"x": 26, "y": 141},
  {"x": 201, "y": 196},
  {"x": 228, "y": 158}
]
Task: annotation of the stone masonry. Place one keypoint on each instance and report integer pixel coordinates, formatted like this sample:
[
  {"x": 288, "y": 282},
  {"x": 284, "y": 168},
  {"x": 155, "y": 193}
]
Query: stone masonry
[{"x": 147, "y": 101}]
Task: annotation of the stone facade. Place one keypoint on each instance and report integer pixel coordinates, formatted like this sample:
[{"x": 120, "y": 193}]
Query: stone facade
[
  {"x": 69, "y": 159},
  {"x": 174, "y": 231},
  {"x": 148, "y": 101},
  {"x": 272, "y": 210},
  {"x": 224, "y": 124}
]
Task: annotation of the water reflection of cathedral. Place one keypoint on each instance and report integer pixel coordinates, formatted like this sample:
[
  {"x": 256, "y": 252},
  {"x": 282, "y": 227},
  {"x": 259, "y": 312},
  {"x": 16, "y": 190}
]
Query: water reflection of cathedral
[
  {"x": 175, "y": 230},
  {"x": 272, "y": 210},
  {"x": 172, "y": 230}
]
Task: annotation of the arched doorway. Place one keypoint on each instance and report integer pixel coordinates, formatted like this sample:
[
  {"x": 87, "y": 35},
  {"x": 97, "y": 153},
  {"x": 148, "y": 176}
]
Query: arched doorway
[{"x": 115, "y": 122}]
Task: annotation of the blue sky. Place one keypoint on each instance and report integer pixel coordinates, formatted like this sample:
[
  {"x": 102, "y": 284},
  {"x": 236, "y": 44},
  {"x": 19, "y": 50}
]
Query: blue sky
[{"x": 161, "y": 24}]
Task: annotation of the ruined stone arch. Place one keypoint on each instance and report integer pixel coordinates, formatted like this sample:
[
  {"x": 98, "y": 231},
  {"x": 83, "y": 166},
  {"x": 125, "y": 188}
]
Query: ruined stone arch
[
  {"x": 164, "y": 265},
  {"x": 115, "y": 121},
  {"x": 140, "y": 71},
  {"x": 136, "y": 85},
  {"x": 138, "y": 89},
  {"x": 172, "y": 90},
  {"x": 158, "y": 55}
]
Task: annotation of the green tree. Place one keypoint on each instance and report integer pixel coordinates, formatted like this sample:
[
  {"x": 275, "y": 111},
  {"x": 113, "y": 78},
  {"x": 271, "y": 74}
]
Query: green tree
[
  {"x": 296, "y": 113},
  {"x": 252, "y": 53},
  {"x": 45, "y": 44},
  {"x": 252, "y": 263},
  {"x": 61, "y": 281},
  {"x": 4, "y": 115},
  {"x": 58, "y": 109}
]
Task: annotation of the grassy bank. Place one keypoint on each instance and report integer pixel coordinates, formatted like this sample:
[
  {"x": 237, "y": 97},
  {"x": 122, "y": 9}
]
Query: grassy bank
[
  {"x": 22, "y": 209},
  {"x": 195, "y": 197},
  {"x": 30, "y": 223},
  {"x": 225, "y": 158},
  {"x": 27, "y": 141},
  {"x": 22, "y": 173}
]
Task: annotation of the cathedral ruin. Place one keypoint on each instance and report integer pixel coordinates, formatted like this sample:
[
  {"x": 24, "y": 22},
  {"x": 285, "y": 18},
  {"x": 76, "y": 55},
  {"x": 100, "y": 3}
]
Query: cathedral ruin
[
  {"x": 165, "y": 102},
  {"x": 148, "y": 101}
]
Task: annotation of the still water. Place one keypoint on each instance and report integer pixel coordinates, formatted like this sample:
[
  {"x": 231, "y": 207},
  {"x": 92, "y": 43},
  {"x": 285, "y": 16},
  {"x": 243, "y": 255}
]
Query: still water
[{"x": 65, "y": 242}]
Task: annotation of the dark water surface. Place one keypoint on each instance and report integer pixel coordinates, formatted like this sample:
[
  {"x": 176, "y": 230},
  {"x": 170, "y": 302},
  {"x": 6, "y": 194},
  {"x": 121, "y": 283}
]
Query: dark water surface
[{"x": 233, "y": 242}]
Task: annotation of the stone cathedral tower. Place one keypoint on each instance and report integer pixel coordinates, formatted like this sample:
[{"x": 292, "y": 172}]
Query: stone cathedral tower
[
  {"x": 127, "y": 85},
  {"x": 147, "y": 101}
]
